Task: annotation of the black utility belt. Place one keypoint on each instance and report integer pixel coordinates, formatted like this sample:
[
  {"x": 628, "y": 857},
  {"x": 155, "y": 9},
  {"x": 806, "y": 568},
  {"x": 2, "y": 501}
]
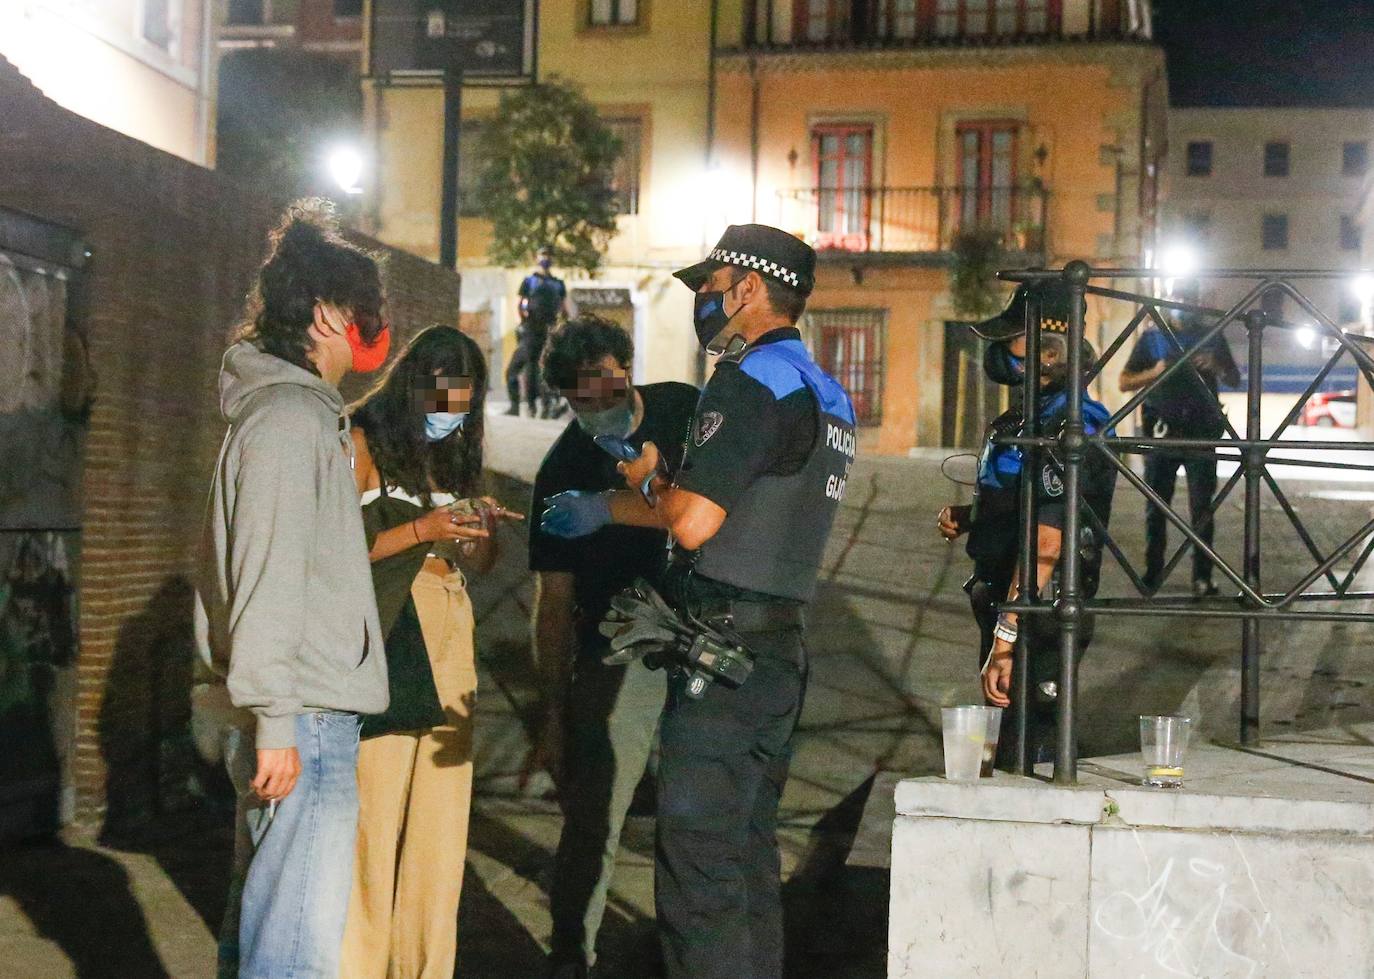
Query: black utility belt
[{"x": 743, "y": 616}]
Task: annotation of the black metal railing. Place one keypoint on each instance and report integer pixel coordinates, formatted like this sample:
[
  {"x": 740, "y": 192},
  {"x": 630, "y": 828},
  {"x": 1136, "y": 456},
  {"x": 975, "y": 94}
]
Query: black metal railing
[
  {"x": 913, "y": 219},
  {"x": 1254, "y": 605}
]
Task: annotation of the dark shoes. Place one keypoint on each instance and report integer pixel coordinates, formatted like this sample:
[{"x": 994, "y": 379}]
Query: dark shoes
[
  {"x": 1203, "y": 588},
  {"x": 566, "y": 970}
]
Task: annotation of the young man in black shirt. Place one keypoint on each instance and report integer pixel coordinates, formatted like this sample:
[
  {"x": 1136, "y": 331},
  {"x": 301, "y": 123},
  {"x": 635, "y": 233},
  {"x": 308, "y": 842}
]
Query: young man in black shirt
[
  {"x": 1186, "y": 407},
  {"x": 600, "y": 720}
]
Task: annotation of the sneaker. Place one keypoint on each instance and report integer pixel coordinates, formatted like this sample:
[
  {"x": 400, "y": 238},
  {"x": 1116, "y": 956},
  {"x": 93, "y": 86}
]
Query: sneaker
[
  {"x": 1151, "y": 582},
  {"x": 1203, "y": 588},
  {"x": 513, "y": 411}
]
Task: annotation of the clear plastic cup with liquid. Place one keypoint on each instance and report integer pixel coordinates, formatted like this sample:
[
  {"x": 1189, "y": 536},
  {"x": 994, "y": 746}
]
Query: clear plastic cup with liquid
[
  {"x": 1163, "y": 743},
  {"x": 966, "y": 732},
  {"x": 994, "y": 716}
]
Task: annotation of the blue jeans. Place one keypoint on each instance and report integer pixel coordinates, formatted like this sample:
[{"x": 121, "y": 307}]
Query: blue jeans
[{"x": 293, "y": 868}]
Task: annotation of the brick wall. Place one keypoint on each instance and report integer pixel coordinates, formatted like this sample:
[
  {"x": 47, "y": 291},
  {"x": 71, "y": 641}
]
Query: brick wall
[{"x": 175, "y": 248}]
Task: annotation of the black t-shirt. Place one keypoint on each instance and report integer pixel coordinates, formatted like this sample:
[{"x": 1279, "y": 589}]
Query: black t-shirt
[
  {"x": 745, "y": 431},
  {"x": 1184, "y": 407},
  {"x": 608, "y": 561}
]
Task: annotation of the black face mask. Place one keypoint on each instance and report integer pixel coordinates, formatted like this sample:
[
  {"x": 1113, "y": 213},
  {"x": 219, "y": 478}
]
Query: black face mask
[
  {"x": 709, "y": 317},
  {"x": 1002, "y": 366}
]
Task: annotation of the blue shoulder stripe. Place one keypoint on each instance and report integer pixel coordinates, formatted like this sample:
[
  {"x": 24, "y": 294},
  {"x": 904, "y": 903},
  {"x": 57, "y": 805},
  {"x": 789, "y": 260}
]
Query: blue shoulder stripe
[{"x": 785, "y": 367}]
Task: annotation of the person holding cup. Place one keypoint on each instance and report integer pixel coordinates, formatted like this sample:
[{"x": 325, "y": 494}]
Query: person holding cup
[{"x": 418, "y": 442}]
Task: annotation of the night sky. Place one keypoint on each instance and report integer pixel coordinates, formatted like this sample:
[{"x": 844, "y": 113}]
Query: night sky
[{"x": 1268, "y": 52}]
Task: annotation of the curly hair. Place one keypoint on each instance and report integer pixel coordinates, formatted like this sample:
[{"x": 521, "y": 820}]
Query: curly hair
[
  {"x": 393, "y": 421},
  {"x": 580, "y": 341},
  {"x": 309, "y": 261}
]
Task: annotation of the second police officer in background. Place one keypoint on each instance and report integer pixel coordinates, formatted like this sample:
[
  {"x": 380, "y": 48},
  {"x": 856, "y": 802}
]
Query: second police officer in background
[
  {"x": 750, "y": 511},
  {"x": 1184, "y": 407},
  {"x": 993, "y": 521}
]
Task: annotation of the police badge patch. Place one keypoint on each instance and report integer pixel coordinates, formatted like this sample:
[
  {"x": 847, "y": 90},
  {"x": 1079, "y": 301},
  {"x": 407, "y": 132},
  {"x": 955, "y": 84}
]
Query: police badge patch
[
  {"x": 707, "y": 425},
  {"x": 1054, "y": 486}
]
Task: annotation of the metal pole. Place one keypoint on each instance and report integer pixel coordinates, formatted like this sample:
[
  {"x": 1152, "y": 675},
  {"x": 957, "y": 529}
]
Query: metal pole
[
  {"x": 1070, "y": 610},
  {"x": 448, "y": 197},
  {"x": 1254, "y": 458},
  {"x": 1030, "y": 521}
]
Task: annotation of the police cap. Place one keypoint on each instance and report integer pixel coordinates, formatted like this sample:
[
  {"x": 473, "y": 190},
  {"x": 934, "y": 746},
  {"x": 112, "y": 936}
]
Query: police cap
[
  {"x": 759, "y": 248},
  {"x": 1011, "y": 322}
]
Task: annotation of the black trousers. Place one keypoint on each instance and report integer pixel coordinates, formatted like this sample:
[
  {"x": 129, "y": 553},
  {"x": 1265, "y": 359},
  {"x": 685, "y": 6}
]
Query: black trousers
[
  {"x": 723, "y": 764},
  {"x": 1042, "y": 634},
  {"x": 524, "y": 363},
  {"x": 1161, "y": 473}
]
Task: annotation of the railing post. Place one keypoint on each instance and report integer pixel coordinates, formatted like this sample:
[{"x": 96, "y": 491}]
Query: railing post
[
  {"x": 1254, "y": 462},
  {"x": 1068, "y": 606},
  {"x": 1027, "y": 588}
]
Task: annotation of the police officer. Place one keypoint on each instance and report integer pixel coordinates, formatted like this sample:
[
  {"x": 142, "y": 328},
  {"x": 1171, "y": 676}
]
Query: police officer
[
  {"x": 750, "y": 511},
  {"x": 1184, "y": 406},
  {"x": 543, "y": 297},
  {"x": 993, "y": 521}
]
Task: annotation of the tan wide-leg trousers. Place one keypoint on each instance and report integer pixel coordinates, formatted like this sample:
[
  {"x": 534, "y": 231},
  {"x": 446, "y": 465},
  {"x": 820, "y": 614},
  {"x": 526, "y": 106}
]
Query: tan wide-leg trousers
[{"x": 415, "y": 792}]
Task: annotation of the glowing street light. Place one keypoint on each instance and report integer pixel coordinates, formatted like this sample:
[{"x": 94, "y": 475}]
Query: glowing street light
[
  {"x": 346, "y": 168},
  {"x": 1306, "y": 336},
  {"x": 1363, "y": 287},
  {"x": 1178, "y": 261}
]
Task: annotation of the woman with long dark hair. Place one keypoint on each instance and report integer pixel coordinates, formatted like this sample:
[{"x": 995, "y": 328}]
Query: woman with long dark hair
[{"x": 418, "y": 440}]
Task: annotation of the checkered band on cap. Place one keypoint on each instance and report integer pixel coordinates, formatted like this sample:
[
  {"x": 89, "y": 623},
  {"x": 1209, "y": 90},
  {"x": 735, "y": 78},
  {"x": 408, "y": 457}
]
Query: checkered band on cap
[{"x": 764, "y": 265}]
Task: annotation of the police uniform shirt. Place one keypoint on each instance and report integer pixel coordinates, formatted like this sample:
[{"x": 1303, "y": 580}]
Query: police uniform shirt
[
  {"x": 608, "y": 561},
  {"x": 543, "y": 295},
  {"x": 1097, "y": 483},
  {"x": 1184, "y": 408}
]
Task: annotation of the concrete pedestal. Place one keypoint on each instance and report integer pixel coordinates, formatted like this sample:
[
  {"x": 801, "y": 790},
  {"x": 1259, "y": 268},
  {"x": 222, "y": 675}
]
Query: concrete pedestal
[{"x": 1261, "y": 866}]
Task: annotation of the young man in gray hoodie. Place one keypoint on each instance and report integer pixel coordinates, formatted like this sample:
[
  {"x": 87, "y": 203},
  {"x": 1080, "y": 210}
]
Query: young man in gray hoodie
[{"x": 286, "y": 615}]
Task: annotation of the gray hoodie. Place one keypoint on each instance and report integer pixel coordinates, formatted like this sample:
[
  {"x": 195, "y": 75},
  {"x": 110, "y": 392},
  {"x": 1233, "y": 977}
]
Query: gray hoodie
[{"x": 286, "y": 612}]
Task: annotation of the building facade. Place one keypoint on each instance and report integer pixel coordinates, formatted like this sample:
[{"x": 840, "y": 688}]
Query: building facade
[
  {"x": 875, "y": 130},
  {"x": 145, "y": 68},
  {"x": 1272, "y": 188},
  {"x": 332, "y": 27}
]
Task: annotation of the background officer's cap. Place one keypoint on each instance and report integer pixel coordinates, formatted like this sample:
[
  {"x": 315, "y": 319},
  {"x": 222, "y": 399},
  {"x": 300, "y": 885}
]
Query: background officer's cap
[
  {"x": 758, "y": 248},
  {"x": 1011, "y": 322}
]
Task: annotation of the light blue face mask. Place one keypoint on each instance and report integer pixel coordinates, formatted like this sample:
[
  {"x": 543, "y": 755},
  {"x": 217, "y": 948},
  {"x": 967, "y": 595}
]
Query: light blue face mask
[
  {"x": 616, "y": 421},
  {"x": 439, "y": 425}
]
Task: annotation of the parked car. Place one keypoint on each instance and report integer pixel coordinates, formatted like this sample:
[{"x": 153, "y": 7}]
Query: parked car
[{"x": 1330, "y": 409}]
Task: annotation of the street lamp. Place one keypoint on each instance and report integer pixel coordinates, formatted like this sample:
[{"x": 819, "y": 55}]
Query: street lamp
[
  {"x": 1178, "y": 261},
  {"x": 346, "y": 168}
]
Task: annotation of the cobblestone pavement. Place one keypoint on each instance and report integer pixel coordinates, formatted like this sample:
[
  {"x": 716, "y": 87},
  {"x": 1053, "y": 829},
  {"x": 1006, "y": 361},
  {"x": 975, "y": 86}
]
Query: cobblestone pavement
[{"x": 890, "y": 644}]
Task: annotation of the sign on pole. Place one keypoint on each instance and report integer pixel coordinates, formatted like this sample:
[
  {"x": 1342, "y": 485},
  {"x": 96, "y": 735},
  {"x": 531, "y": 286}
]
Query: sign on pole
[{"x": 482, "y": 39}]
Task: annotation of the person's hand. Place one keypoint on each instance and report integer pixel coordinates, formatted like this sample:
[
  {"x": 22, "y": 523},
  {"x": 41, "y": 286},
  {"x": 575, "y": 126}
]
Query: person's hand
[
  {"x": 952, "y": 521},
  {"x": 546, "y": 754},
  {"x": 997, "y": 674},
  {"x": 575, "y": 513},
  {"x": 278, "y": 769},
  {"x": 496, "y": 512},
  {"x": 442, "y": 523},
  {"x": 642, "y": 468}
]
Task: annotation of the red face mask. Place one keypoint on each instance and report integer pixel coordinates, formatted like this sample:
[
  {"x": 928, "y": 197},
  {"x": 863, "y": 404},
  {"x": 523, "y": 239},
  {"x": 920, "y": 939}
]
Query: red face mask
[{"x": 367, "y": 357}]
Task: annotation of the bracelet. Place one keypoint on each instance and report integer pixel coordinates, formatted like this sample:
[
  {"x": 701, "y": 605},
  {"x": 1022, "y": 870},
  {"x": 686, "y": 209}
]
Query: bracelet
[
  {"x": 1006, "y": 630},
  {"x": 415, "y": 527}
]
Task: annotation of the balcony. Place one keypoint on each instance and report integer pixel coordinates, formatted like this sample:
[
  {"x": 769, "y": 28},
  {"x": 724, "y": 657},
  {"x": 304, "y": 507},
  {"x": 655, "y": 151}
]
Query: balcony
[{"x": 912, "y": 221}]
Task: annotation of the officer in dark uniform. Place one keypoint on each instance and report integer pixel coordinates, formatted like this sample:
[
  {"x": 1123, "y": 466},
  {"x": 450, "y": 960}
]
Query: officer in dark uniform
[
  {"x": 993, "y": 521},
  {"x": 750, "y": 511},
  {"x": 543, "y": 297},
  {"x": 1185, "y": 406}
]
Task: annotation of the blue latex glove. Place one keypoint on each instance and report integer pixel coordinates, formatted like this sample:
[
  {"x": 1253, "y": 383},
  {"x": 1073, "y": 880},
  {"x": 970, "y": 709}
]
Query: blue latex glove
[{"x": 575, "y": 513}]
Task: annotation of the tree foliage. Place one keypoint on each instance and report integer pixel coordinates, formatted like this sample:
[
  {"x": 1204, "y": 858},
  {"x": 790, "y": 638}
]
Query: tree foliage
[
  {"x": 978, "y": 254},
  {"x": 547, "y": 177}
]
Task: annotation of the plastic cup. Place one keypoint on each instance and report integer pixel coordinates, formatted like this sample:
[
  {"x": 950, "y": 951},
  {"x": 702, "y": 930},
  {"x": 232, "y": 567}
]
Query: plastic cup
[
  {"x": 1163, "y": 742},
  {"x": 994, "y": 716},
  {"x": 966, "y": 731}
]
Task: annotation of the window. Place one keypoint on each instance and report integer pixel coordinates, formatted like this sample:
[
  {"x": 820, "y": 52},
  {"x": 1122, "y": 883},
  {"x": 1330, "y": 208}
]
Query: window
[
  {"x": 987, "y": 173},
  {"x": 818, "y": 21},
  {"x": 1197, "y": 224},
  {"x": 844, "y": 175},
  {"x": 897, "y": 19},
  {"x": 348, "y": 8},
  {"x": 626, "y": 179},
  {"x": 1350, "y": 234},
  {"x": 1274, "y": 232},
  {"x": 613, "y": 13},
  {"x": 471, "y": 163},
  {"x": 1354, "y": 159},
  {"x": 160, "y": 23},
  {"x": 978, "y": 18},
  {"x": 246, "y": 13},
  {"x": 1200, "y": 159},
  {"x": 1276, "y": 159},
  {"x": 848, "y": 344}
]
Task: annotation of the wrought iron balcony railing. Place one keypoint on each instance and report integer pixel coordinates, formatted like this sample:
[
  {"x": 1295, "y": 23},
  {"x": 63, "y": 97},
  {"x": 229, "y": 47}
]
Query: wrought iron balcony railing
[{"x": 913, "y": 220}]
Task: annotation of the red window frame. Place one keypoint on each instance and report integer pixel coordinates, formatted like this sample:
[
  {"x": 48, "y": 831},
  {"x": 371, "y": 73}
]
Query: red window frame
[
  {"x": 836, "y": 20},
  {"x": 1053, "y": 13},
  {"x": 849, "y": 345},
  {"x": 836, "y": 205},
  {"x": 986, "y": 192}
]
